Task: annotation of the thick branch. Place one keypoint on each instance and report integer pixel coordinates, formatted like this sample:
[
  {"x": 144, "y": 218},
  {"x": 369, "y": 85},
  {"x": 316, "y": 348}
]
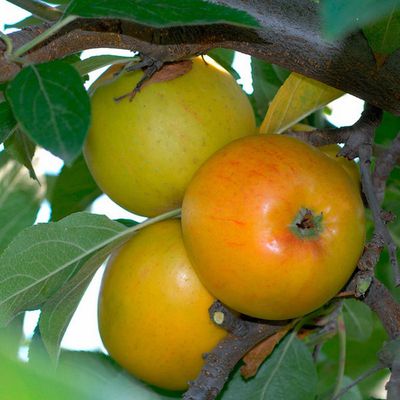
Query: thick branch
[{"x": 289, "y": 36}]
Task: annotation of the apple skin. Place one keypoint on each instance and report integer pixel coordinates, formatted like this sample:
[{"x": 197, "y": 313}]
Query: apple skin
[
  {"x": 239, "y": 220},
  {"x": 350, "y": 166},
  {"x": 153, "y": 310},
  {"x": 143, "y": 153}
]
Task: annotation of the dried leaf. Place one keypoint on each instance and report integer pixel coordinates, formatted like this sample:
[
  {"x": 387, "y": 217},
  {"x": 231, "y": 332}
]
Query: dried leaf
[
  {"x": 170, "y": 71},
  {"x": 297, "y": 98},
  {"x": 255, "y": 357}
]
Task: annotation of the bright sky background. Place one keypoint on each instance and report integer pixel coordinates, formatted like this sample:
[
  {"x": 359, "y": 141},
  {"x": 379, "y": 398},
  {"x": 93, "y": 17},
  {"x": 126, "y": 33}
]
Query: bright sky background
[{"x": 82, "y": 332}]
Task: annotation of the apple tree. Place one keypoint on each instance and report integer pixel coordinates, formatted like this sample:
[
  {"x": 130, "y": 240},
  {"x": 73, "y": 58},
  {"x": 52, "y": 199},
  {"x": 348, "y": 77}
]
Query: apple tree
[{"x": 304, "y": 54}]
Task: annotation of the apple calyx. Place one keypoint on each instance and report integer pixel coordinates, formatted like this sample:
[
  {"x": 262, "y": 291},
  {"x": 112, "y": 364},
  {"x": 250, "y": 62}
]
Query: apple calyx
[{"x": 307, "y": 224}]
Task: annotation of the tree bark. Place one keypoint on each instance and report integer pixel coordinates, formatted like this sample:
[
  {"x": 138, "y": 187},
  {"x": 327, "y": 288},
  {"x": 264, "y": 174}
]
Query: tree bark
[{"x": 289, "y": 35}]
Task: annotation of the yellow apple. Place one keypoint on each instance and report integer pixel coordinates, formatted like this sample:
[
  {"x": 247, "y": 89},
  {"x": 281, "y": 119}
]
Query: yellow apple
[{"x": 143, "y": 153}]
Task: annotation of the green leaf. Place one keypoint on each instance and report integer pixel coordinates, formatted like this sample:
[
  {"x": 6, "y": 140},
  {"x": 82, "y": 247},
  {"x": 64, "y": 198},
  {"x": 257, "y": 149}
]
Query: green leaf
[
  {"x": 59, "y": 1},
  {"x": 80, "y": 375},
  {"x": 127, "y": 222},
  {"x": 42, "y": 258},
  {"x": 74, "y": 190},
  {"x": 52, "y": 107},
  {"x": 360, "y": 357},
  {"x": 22, "y": 149},
  {"x": 266, "y": 83},
  {"x": 384, "y": 35},
  {"x": 340, "y": 17},
  {"x": 352, "y": 394},
  {"x": 388, "y": 129},
  {"x": 161, "y": 13},
  {"x": 7, "y": 121},
  {"x": 98, "y": 374},
  {"x": 13, "y": 335},
  {"x": 224, "y": 57},
  {"x": 288, "y": 374},
  {"x": 92, "y": 63},
  {"x": 57, "y": 312},
  {"x": 28, "y": 21},
  {"x": 20, "y": 198},
  {"x": 358, "y": 320},
  {"x": 297, "y": 98}
]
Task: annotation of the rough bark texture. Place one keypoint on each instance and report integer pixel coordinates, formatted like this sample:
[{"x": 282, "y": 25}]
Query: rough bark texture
[{"x": 289, "y": 36}]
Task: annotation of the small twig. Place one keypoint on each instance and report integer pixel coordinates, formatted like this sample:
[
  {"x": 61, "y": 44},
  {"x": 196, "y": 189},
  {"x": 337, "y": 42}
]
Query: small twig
[
  {"x": 322, "y": 335},
  {"x": 393, "y": 386},
  {"x": 39, "y": 8},
  {"x": 380, "y": 226},
  {"x": 384, "y": 166},
  {"x": 371, "y": 254},
  {"x": 359, "y": 379},
  {"x": 228, "y": 320},
  {"x": 322, "y": 137},
  {"x": 150, "y": 65},
  {"x": 353, "y": 135},
  {"x": 341, "y": 329},
  {"x": 362, "y": 133}
]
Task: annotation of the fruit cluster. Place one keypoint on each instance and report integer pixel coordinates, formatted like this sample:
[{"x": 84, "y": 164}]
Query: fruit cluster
[{"x": 270, "y": 226}]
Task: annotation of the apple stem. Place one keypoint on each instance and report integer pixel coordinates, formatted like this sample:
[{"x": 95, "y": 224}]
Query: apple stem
[{"x": 307, "y": 224}]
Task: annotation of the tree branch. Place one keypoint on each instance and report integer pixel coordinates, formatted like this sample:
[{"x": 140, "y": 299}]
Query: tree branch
[
  {"x": 353, "y": 135},
  {"x": 289, "y": 36},
  {"x": 384, "y": 166},
  {"x": 380, "y": 300},
  {"x": 243, "y": 336}
]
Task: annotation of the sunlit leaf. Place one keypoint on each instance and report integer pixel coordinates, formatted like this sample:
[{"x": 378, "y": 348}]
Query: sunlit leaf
[
  {"x": 160, "y": 12},
  {"x": 297, "y": 98},
  {"x": 42, "y": 258},
  {"x": 224, "y": 57},
  {"x": 22, "y": 149},
  {"x": 20, "y": 198},
  {"x": 52, "y": 107},
  {"x": 57, "y": 312}
]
